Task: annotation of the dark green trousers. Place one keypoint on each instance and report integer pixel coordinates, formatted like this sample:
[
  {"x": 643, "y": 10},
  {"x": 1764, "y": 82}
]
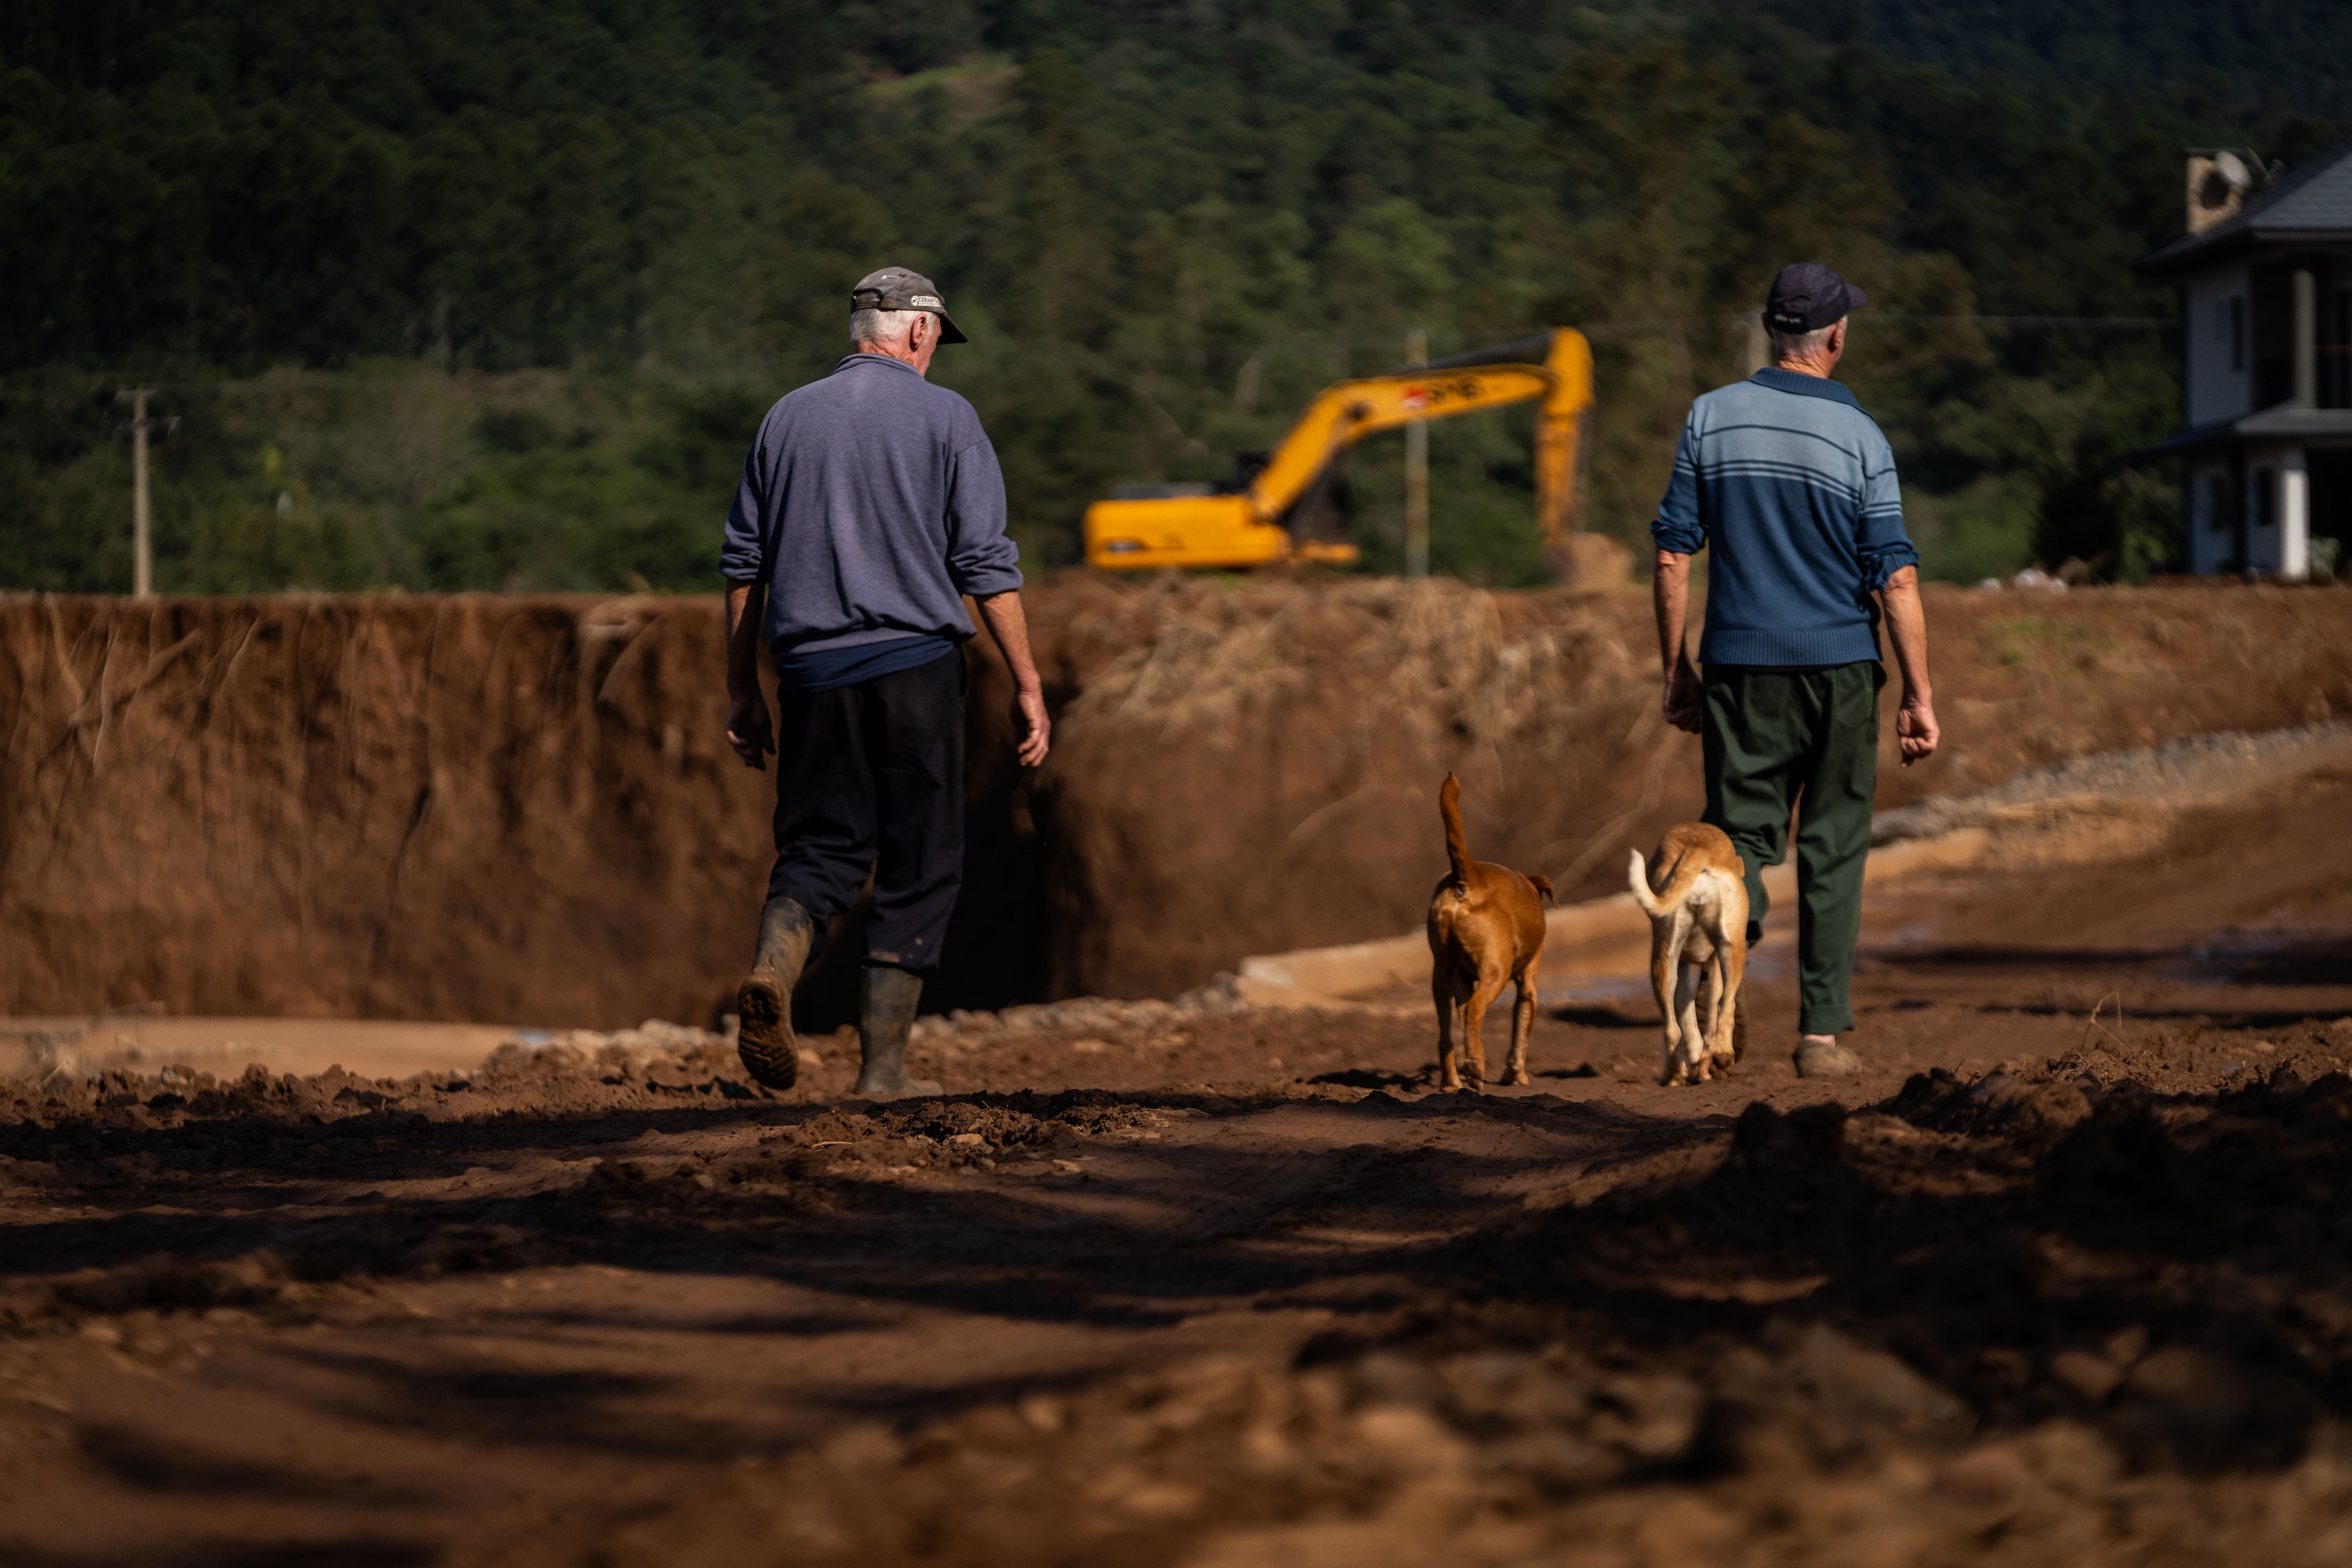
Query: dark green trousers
[{"x": 1809, "y": 739}]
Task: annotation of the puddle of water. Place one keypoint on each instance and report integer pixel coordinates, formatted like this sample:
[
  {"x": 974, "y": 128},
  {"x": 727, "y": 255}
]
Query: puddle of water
[
  {"x": 2279, "y": 957},
  {"x": 1596, "y": 988}
]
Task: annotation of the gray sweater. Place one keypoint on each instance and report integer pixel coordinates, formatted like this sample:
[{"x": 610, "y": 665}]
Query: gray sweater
[{"x": 869, "y": 504}]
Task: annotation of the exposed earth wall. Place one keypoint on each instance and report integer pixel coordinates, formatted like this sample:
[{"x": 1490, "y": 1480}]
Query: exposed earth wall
[{"x": 522, "y": 809}]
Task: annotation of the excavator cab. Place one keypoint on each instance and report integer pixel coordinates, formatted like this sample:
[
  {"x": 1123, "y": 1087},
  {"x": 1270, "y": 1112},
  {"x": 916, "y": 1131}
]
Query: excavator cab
[{"x": 1146, "y": 526}]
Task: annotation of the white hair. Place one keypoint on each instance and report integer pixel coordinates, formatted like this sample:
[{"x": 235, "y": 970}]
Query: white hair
[
  {"x": 1802, "y": 345},
  {"x": 883, "y": 328}
]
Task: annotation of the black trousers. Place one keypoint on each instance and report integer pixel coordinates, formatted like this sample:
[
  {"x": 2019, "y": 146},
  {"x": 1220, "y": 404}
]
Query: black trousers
[{"x": 871, "y": 776}]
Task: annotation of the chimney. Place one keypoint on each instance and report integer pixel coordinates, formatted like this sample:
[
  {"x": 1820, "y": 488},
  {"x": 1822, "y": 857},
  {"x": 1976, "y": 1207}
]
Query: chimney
[{"x": 2218, "y": 179}]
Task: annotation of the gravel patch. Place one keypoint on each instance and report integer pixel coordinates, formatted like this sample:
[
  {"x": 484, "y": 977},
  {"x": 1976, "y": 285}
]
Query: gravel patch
[{"x": 2179, "y": 770}]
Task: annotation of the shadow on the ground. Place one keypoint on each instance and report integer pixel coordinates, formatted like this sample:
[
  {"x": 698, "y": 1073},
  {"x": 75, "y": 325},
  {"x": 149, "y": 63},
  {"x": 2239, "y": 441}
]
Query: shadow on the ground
[
  {"x": 2177, "y": 1242},
  {"x": 2225, "y": 959},
  {"x": 1982, "y": 1238},
  {"x": 1608, "y": 1016}
]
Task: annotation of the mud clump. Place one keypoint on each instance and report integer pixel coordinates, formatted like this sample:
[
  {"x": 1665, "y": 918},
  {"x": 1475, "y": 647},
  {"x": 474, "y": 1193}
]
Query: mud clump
[{"x": 1494, "y": 1456}]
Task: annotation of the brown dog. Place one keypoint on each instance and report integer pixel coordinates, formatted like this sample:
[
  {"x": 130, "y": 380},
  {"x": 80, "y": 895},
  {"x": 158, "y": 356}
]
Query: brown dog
[
  {"x": 1695, "y": 891},
  {"x": 1485, "y": 926}
]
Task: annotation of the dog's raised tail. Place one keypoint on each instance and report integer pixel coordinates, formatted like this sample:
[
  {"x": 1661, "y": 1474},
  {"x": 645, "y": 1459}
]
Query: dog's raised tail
[
  {"x": 1637, "y": 876},
  {"x": 1449, "y": 810}
]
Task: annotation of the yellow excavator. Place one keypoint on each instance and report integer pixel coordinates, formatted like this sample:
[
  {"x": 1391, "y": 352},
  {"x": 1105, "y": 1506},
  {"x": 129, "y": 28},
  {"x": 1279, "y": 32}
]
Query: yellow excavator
[{"x": 1189, "y": 525}]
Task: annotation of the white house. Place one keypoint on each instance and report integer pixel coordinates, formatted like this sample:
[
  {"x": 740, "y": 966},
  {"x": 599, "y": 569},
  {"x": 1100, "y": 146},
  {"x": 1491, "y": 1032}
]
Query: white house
[{"x": 2265, "y": 280}]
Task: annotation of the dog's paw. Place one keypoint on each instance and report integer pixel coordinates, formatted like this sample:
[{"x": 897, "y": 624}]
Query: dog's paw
[{"x": 1519, "y": 1079}]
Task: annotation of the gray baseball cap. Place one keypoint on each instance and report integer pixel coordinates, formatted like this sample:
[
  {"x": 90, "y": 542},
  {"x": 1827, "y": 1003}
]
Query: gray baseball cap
[
  {"x": 1808, "y": 296},
  {"x": 896, "y": 289}
]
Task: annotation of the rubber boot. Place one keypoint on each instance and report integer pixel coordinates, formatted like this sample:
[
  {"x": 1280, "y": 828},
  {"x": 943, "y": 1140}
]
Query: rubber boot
[
  {"x": 886, "y": 1015},
  {"x": 1826, "y": 1058},
  {"x": 763, "y": 1003}
]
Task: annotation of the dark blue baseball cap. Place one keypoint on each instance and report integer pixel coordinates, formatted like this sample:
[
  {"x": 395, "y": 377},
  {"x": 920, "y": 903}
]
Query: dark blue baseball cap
[{"x": 1807, "y": 296}]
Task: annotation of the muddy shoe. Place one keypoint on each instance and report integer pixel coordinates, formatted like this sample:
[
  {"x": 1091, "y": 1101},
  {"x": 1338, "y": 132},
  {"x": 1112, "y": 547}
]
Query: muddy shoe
[
  {"x": 886, "y": 1015},
  {"x": 763, "y": 1003},
  {"x": 1827, "y": 1059}
]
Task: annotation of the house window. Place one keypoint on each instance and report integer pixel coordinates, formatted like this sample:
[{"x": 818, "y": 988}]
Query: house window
[
  {"x": 2237, "y": 307},
  {"x": 2217, "y": 503}
]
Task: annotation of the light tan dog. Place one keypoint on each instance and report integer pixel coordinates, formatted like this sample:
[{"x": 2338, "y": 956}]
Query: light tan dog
[
  {"x": 1695, "y": 891},
  {"x": 1485, "y": 926}
]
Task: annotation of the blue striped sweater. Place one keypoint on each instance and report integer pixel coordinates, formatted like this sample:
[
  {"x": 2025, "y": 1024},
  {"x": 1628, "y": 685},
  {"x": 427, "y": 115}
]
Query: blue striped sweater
[{"x": 1793, "y": 486}]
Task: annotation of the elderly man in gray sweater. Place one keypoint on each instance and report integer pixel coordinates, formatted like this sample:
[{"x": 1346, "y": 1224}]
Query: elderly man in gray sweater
[{"x": 870, "y": 505}]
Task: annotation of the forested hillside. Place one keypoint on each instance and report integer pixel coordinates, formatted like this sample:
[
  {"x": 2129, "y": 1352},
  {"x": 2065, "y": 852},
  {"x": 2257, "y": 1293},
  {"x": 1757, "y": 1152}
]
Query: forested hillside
[
  {"x": 2300, "y": 51},
  {"x": 489, "y": 294}
]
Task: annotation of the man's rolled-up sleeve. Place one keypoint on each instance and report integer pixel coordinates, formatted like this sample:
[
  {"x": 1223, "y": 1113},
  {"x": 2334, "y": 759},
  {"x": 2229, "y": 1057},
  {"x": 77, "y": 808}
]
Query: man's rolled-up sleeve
[
  {"x": 981, "y": 559},
  {"x": 1882, "y": 542},
  {"x": 1679, "y": 527},
  {"x": 744, "y": 552}
]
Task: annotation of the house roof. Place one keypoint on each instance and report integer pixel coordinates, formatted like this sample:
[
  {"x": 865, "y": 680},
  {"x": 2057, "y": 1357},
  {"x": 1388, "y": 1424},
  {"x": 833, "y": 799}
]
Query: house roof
[
  {"x": 2312, "y": 201},
  {"x": 2283, "y": 423}
]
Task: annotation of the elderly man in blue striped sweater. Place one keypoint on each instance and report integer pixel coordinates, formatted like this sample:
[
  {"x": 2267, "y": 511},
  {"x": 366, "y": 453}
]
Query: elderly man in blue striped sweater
[{"x": 1794, "y": 487}]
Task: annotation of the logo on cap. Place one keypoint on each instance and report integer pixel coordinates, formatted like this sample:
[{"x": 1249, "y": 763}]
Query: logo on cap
[{"x": 925, "y": 301}]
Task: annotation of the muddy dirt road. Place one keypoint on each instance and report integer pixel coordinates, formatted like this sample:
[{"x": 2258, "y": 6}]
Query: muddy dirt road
[{"x": 2041, "y": 1286}]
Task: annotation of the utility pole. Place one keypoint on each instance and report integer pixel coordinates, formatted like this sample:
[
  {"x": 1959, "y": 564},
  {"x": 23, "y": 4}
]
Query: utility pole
[
  {"x": 143, "y": 554},
  {"x": 1416, "y": 470}
]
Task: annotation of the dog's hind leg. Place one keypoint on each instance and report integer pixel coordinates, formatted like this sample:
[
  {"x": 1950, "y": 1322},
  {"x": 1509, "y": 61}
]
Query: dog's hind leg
[
  {"x": 1523, "y": 1024},
  {"x": 1444, "y": 991},
  {"x": 1666, "y": 949},
  {"x": 1690, "y": 1046},
  {"x": 1730, "y": 1029},
  {"x": 1489, "y": 985},
  {"x": 1709, "y": 985}
]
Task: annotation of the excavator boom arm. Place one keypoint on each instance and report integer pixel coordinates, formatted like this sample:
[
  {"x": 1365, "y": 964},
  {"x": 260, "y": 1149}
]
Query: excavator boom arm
[
  {"x": 1227, "y": 531},
  {"x": 1348, "y": 411},
  {"x": 1560, "y": 438}
]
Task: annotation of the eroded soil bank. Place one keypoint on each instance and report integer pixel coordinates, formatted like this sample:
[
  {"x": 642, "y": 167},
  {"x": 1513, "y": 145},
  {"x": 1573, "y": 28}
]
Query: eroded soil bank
[
  {"x": 520, "y": 811},
  {"x": 2061, "y": 1278}
]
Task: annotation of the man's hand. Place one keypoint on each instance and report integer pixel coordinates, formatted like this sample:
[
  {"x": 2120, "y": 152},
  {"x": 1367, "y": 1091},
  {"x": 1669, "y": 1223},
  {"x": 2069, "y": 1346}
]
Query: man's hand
[
  {"x": 1010, "y": 628},
  {"x": 1670, "y": 596},
  {"x": 1916, "y": 730},
  {"x": 1036, "y": 726},
  {"x": 1915, "y": 733},
  {"x": 1686, "y": 698},
  {"x": 749, "y": 730}
]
